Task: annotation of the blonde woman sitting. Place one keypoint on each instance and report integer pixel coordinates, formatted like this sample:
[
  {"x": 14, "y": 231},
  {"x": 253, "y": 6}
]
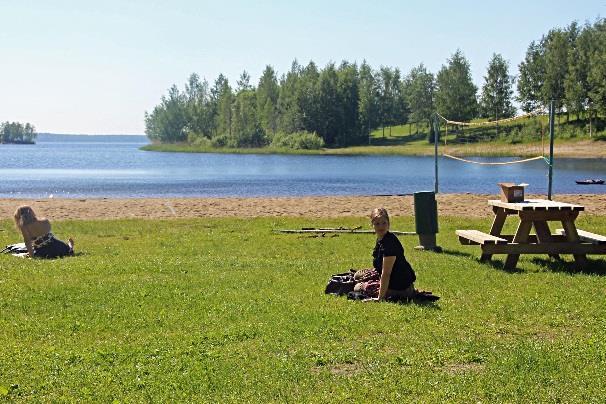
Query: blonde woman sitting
[
  {"x": 39, "y": 240},
  {"x": 392, "y": 276}
]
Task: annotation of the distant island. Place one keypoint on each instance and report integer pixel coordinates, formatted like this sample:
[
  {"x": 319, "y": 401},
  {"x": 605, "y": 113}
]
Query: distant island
[
  {"x": 17, "y": 133},
  {"x": 89, "y": 134}
]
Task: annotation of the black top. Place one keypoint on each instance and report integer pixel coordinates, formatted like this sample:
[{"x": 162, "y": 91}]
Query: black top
[{"x": 402, "y": 274}]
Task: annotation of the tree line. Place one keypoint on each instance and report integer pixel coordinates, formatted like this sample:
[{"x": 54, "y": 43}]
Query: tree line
[
  {"x": 568, "y": 66},
  {"x": 15, "y": 132},
  {"x": 339, "y": 105}
]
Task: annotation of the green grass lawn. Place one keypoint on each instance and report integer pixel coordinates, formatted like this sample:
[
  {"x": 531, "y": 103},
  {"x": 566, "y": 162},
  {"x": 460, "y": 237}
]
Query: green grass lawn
[{"x": 224, "y": 310}]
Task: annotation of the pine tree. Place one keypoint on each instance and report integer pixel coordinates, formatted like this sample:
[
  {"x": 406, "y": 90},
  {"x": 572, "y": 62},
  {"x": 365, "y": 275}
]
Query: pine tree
[
  {"x": 531, "y": 78},
  {"x": 386, "y": 104},
  {"x": 497, "y": 91},
  {"x": 197, "y": 95},
  {"x": 168, "y": 121},
  {"x": 225, "y": 101},
  {"x": 400, "y": 109},
  {"x": 329, "y": 107},
  {"x": 556, "y": 67},
  {"x": 268, "y": 92},
  {"x": 597, "y": 71},
  {"x": 348, "y": 95},
  {"x": 307, "y": 99},
  {"x": 368, "y": 100},
  {"x": 576, "y": 83},
  {"x": 290, "y": 118},
  {"x": 420, "y": 89},
  {"x": 246, "y": 130},
  {"x": 456, "y": 93},
  {"x": 243, "y": 82}
]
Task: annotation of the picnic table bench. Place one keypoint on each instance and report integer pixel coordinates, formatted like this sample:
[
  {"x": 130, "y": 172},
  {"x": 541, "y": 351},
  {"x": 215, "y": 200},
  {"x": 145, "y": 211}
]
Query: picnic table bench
[{"x": 535, "y": 213}]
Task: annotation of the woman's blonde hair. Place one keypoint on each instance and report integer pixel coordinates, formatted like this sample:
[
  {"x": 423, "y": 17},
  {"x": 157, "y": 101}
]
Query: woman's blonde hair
[
  {"x": 24, "y": 215},
  {"x": 378, "y": 213}
]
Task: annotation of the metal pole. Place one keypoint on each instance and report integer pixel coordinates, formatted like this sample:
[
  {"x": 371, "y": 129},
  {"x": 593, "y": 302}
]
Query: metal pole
[
  {"x": 551, "y": 136},
  {"x": 436, "y": 136},
  {"x": 496, "y": 117}
]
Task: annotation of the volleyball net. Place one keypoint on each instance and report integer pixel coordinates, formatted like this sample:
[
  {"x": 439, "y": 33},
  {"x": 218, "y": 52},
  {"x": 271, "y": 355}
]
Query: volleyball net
[{"x": 465, "y": 137}]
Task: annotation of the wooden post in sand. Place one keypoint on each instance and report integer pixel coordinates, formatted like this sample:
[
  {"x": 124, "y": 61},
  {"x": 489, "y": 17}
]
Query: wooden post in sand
[
  {"x": 551, "y": 136},
  {"x": 436, "y": 137}
]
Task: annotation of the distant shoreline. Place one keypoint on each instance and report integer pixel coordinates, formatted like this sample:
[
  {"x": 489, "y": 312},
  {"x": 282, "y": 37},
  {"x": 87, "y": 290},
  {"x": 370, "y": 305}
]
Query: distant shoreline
[
  {"x": 19, "y": 142},
  {"x": 90, "y": 134},
  {"x": 563, "y": 148}
]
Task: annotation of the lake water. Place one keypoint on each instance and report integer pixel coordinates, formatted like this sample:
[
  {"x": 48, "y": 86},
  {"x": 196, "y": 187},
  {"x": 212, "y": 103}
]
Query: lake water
[{"x": 114, "y": 167}]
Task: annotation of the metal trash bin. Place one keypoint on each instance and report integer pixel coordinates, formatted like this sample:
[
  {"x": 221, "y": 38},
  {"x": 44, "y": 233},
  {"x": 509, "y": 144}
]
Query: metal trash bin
[{"x": 426, "y": 220}]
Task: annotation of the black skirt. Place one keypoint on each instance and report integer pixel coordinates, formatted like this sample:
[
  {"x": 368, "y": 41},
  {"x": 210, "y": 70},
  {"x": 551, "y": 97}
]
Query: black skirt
[{"x": 53, "y": 249}]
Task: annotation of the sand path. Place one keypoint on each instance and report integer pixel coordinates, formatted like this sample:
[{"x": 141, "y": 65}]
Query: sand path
[{"x": 321, "y": 206}]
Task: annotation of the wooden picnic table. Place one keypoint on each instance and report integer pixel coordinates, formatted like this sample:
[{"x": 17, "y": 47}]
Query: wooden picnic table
[{"x": 535, "y": 213}]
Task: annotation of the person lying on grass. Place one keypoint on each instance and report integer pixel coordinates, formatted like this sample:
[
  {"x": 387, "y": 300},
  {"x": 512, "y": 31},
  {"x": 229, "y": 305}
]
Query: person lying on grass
[
  {"x": 39, "y": 240},
  {"x": 392, "y": 275}
]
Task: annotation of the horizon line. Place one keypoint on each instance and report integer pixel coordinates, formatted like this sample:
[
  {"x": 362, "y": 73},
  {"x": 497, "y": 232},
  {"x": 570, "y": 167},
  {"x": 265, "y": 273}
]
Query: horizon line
[{"x": 92, "y": 134}]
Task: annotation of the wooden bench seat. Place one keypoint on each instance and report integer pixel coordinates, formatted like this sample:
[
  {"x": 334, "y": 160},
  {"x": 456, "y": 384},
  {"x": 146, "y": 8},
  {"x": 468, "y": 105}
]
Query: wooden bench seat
[
  {"x": 544, "y": 248},
  {"x": 469, "y": 237},
  {"x": 586, "y": 236}
]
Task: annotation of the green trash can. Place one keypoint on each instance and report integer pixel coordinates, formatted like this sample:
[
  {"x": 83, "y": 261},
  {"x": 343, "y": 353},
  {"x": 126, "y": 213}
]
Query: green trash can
[{"x": 426, "y": 219}]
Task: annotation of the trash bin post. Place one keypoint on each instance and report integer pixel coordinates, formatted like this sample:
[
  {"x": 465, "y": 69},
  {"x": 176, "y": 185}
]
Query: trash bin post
[{"x": 426, "y": 220}]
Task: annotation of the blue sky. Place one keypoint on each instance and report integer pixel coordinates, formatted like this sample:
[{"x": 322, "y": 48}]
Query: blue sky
[{"x": 96, "y": 67}]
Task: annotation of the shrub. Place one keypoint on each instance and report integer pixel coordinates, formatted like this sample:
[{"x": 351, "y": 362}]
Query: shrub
[
  {"x": 240, "y": 140},
  {"x": 514, "y": 132},
  {"x": 219, "y": 141},
  {"x": 253, "y": 138},
  {"x": 298, "y": 141},
  {"x": 532, "y": 130},
  {"x": 516, "y": 139},
  {"x": 280, "y": 140},
  {"x": 195, "y": 139}
]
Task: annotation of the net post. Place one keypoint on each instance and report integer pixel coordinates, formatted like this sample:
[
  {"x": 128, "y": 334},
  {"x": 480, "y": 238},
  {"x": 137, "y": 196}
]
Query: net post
[
  {"x": 551, "y": 136},
  {"x": 436, "y": 138}
]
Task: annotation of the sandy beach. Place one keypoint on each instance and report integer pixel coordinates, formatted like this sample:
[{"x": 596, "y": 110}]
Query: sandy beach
[{"x": 317, "y": 206}]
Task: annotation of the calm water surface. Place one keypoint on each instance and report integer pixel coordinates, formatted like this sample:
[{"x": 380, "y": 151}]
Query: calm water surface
[{"x": 114, "y": 167}]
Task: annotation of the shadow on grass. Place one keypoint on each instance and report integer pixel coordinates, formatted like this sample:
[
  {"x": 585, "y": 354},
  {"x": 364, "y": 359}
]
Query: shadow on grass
[
  {"x": 594, "y": 267},
  {"x": 456, "y": 253},
  {"x": 500, "y": 265},
  {"x": 432, "y": 305},
  {"x": 493, "y": 263},
  {"x": 65, "y": 257},
  {"x": 426, "y": 304},
  {"x": 429, "y": 304}
]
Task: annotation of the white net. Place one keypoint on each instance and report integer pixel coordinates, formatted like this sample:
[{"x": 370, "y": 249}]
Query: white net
[{"x": 523, "y": 135}]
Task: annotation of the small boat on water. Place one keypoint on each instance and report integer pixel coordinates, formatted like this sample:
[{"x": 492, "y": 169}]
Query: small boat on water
[{"x": 590, "y": 182}]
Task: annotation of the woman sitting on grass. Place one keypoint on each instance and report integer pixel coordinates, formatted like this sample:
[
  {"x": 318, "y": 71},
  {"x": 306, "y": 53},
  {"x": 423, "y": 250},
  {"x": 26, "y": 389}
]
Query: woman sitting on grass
[
  {"x": 392, "y": 276},
  {"x": 39, "y": 240}
]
